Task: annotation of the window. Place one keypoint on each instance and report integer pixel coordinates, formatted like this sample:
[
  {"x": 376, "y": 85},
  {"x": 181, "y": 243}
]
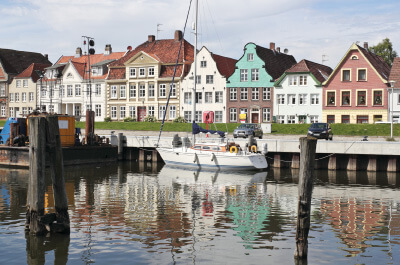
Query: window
[
  {"x": 163, "y": 90},
  {"x": 151, "y": 111},
  {"x": 362, "y": 75},
  {"x": 266, "y": 114},
  {"x": 51, "y": 91},
  {"x": 113, "y": 112},
  {"x": 43, "y": 92},
  {"x": 243, "y": 111},
  {"x": 199, "y": 116},
  {"x": 150, "y": 71},
  {"x": 362, "y": 118},
  {"x": 11, "y": 112},
  {"x": 132, "y": 111},
  {"x": 254, "y": 74},
  {"x": 281, "y": 118},
  {"x": 302, "y": 99},
  {"x": 303, "y": 80},
  {"x": 313, "y": 118},
  {"x": 3, "y": 111},
  {"x": 281, "y": 99},
  {"x": 232, "y": 114},
  {"x": 243, "y": 75},
  {"x": 62, "y": 91},
  {"x": 98, "y": 90},
  {"x": 254, "y": 93},
  {"x": 188, "y": 116},
  {"x": 199, "y": 97},
  {"x": 132, "y": 91},
  {"x": 218, "y": 116},
  {"x": 209, "y": 79},
  {"x": 345, "y": 98},
  {"x": 142, "y": 72},
  {"x": 69, "y": 91},
  {"x": 203, "y": 64},
  {"x": 172, "y": 112},
  {"x": 218, "y": 97},
  {"x": 161, "y": 112},
  {"x": 31, "y": 97},
  {"x": 377, "y": 98},
  {"x": 243, "y": 93},
  {"x": 77, "y": 90},
  {"x": 30, "y": 109},
  {"x": 345, "y": 118},
  {"x": 114, "y": 93},
  {"x": 18, "y": 83},
  {"x": 97, "y": 110},
  {"x": 361, "y": 98},
  {"x": 11, "y": 96},
  {"x": 346, "y": 75},
  {"x": 233, "y": 93},
  {"x": 330, "y": 118},
  {"x": 208, "y": 97},
  {"x": 173, "y": 90},
  {"x": 132, "y": 72},
  {"x": 122, "y": 91},
  {"x": 16, "y": 97},
  {"x": 23, "y": 96},
  {"x": 77, "y": 110},
  {"x": 198, "y": 79},
  {"x": 51, "y": 108},
  {"x": 151, "y": 91},
  {"x": 142, "y": 91},
  {"x": 25, "y": 83},
  {"x": 187, "y": 98},
  {"x": 292, "y": 99},
  {"x": 314, "y": 99},
  {"x": 291, "y": 119},
  {"x": 88, "y": 90},
  {"x": 266, "y": 93},
  {"x": 2, "y": 90},
  {"x": 292, "y": 80},
  {"x": 122, "y": 112},
  {"x": 330, "y": 99},
  {"x": 250, "y": 57}
]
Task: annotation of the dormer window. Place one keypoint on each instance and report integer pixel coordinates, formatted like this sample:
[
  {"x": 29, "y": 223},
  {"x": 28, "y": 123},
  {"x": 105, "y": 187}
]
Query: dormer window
[{"x": 354, "y": 57}]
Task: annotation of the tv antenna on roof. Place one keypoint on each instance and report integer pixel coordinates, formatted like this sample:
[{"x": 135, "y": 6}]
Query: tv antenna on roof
[
  {"x": 158, "y": 29},
  {"x": 324, "y": 58}
]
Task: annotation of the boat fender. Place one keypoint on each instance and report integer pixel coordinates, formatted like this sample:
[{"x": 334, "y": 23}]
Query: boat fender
[
  {"x": 254, "y": 149},
  {"x": 233, "y": 149}
]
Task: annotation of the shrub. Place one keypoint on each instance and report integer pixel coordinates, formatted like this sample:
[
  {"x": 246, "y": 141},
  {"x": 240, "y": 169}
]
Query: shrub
[
  {"x": 390, "y": 139},
  {"x": 107, "y": 119},
  {"x": 180, "y": 119},
  {"x": 150, "y": 119},
  {"x": 129, "y": 119}
]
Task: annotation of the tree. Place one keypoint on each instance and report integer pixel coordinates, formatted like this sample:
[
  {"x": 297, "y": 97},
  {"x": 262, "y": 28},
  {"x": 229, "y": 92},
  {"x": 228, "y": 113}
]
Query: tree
[{"x": 385, "y": 50}]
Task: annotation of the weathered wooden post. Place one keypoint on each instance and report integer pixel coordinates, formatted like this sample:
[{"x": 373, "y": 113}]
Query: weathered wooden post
[
  {"x": 306, "y": 178},
  {"x": 120, "y": 146},
  {"x": 89, "y": 127}
]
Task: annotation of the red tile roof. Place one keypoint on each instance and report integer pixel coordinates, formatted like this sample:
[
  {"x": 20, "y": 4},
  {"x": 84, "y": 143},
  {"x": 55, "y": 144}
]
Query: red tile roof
[
  {"x": 377, "y": 62},
  {"x": 31, "y": 71},
  {"x": 320, "y": 71},
  {"x": 94, "y": 58},
  {"x": 225, "y": 65},
  {"x": 116, "y": 73},
  {"x": 395, "y": 72}
]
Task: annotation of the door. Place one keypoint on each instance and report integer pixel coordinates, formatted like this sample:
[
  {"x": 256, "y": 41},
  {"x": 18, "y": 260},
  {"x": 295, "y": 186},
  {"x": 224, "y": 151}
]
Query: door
[
  {"x": 141, "y": 113},
  {"x": 254, "y": 118}
]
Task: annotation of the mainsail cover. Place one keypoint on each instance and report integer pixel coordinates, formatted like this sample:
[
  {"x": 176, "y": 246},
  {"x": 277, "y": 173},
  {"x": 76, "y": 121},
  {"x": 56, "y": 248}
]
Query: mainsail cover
[{"x": 196, "y": 129}]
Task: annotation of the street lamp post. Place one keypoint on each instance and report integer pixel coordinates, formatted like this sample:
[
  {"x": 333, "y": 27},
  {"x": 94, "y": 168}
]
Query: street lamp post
[{"x": 391, "y": 109}]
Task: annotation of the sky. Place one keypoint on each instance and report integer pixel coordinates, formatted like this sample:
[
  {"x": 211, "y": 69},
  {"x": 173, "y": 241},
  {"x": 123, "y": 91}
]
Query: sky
[{"x": 309, "y": 29}]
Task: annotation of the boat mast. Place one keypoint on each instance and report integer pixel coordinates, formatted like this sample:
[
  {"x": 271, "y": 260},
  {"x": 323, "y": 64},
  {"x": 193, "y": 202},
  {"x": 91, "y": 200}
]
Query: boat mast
[{"x": 195, "y": 67}]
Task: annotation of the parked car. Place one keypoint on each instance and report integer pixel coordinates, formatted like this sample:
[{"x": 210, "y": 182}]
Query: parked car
[
  {"x": 320, "y": 131},
  {"x": 246, "y": 129}
]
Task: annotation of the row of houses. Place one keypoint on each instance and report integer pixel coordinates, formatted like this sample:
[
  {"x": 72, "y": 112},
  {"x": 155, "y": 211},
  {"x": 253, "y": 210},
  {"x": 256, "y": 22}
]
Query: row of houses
[{"x": 265, "y": 85}]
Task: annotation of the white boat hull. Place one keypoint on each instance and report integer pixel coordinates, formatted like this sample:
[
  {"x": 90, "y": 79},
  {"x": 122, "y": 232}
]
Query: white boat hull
[{"x": 215, "y": 160}]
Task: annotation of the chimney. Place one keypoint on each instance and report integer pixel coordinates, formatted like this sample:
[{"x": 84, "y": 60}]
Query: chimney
[
  {"x": 272, "y": 46},
  {"x": 108, "y": 49},
  {"x": 78, "y": 52},
  {"x": 151, "y": 38},
  {"x": 366, "y": 45},
  {"x": 46, "y": 56},
  {"x": 178, "y": 35},
  {"x": 278, "y": 49}
]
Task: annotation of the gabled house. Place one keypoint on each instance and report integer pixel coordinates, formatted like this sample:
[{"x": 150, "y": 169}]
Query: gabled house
[
  {"x": 211, "y": 75},
  {"x": 22, "y": 94},
  {"x": 68, "y": 88},
  {"x": 394, "y": 96},
  {"x": 298, "y": 93},
  {"x": 139, "y": 83},
  {"x": 356, "y": 91},
  {"x": 12, "y": 63},
  {"x": 250, "y": 87}
]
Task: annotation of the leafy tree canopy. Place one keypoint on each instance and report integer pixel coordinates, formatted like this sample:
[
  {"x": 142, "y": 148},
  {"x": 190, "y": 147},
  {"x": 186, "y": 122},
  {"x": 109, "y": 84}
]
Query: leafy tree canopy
[{"x": 385, "y": 50}]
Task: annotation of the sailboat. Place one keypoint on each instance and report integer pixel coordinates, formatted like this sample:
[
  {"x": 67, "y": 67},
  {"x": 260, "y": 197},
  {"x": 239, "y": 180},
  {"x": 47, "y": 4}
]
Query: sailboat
[{"x": 224, "y": 155}]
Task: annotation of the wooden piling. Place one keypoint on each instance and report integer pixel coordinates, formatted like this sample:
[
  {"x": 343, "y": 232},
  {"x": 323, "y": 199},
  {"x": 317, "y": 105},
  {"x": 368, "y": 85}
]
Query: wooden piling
[
  {"x": 120, "y": 146},
  {"x": 306, "y": 176}
]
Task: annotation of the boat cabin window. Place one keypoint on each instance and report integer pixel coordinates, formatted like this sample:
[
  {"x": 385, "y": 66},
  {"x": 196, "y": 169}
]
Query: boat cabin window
[
  {"x": 216, "y": 148},
  {"x": 206, "y": 148},
  {"x": 197, "y": 147}
]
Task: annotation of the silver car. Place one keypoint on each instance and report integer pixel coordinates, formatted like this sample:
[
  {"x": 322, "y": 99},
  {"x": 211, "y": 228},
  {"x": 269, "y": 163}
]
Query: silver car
[{"x": 246, "y": 129}]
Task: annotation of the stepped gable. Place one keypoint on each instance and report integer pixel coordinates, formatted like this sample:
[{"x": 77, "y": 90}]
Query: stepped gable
[
  {"x": 395, "y": 72},
  {"x": 377, "y": 62},
  {"x": 15, "y": 62},
  {"x": 31, "y": 71},
  {"x": 276, "y": 63},
  {"x": 225, "y": 65},
  {"x": 320, "y": 71}
]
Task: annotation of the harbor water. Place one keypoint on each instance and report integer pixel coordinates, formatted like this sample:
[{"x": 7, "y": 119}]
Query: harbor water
[{"x": 129, "y": 213}]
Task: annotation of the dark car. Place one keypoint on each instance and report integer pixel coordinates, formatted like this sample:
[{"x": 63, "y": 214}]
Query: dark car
[
  {"x": 246, "y": 129},
  {"x": 320, "y": 131}
]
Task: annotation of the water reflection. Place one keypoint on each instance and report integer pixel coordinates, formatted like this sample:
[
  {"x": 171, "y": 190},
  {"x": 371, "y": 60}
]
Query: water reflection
[{"x": 160, "y": 215}]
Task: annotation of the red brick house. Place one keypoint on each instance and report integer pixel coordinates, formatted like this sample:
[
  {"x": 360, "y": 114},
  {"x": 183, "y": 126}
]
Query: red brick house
[{"x": 356, "y": 91}]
